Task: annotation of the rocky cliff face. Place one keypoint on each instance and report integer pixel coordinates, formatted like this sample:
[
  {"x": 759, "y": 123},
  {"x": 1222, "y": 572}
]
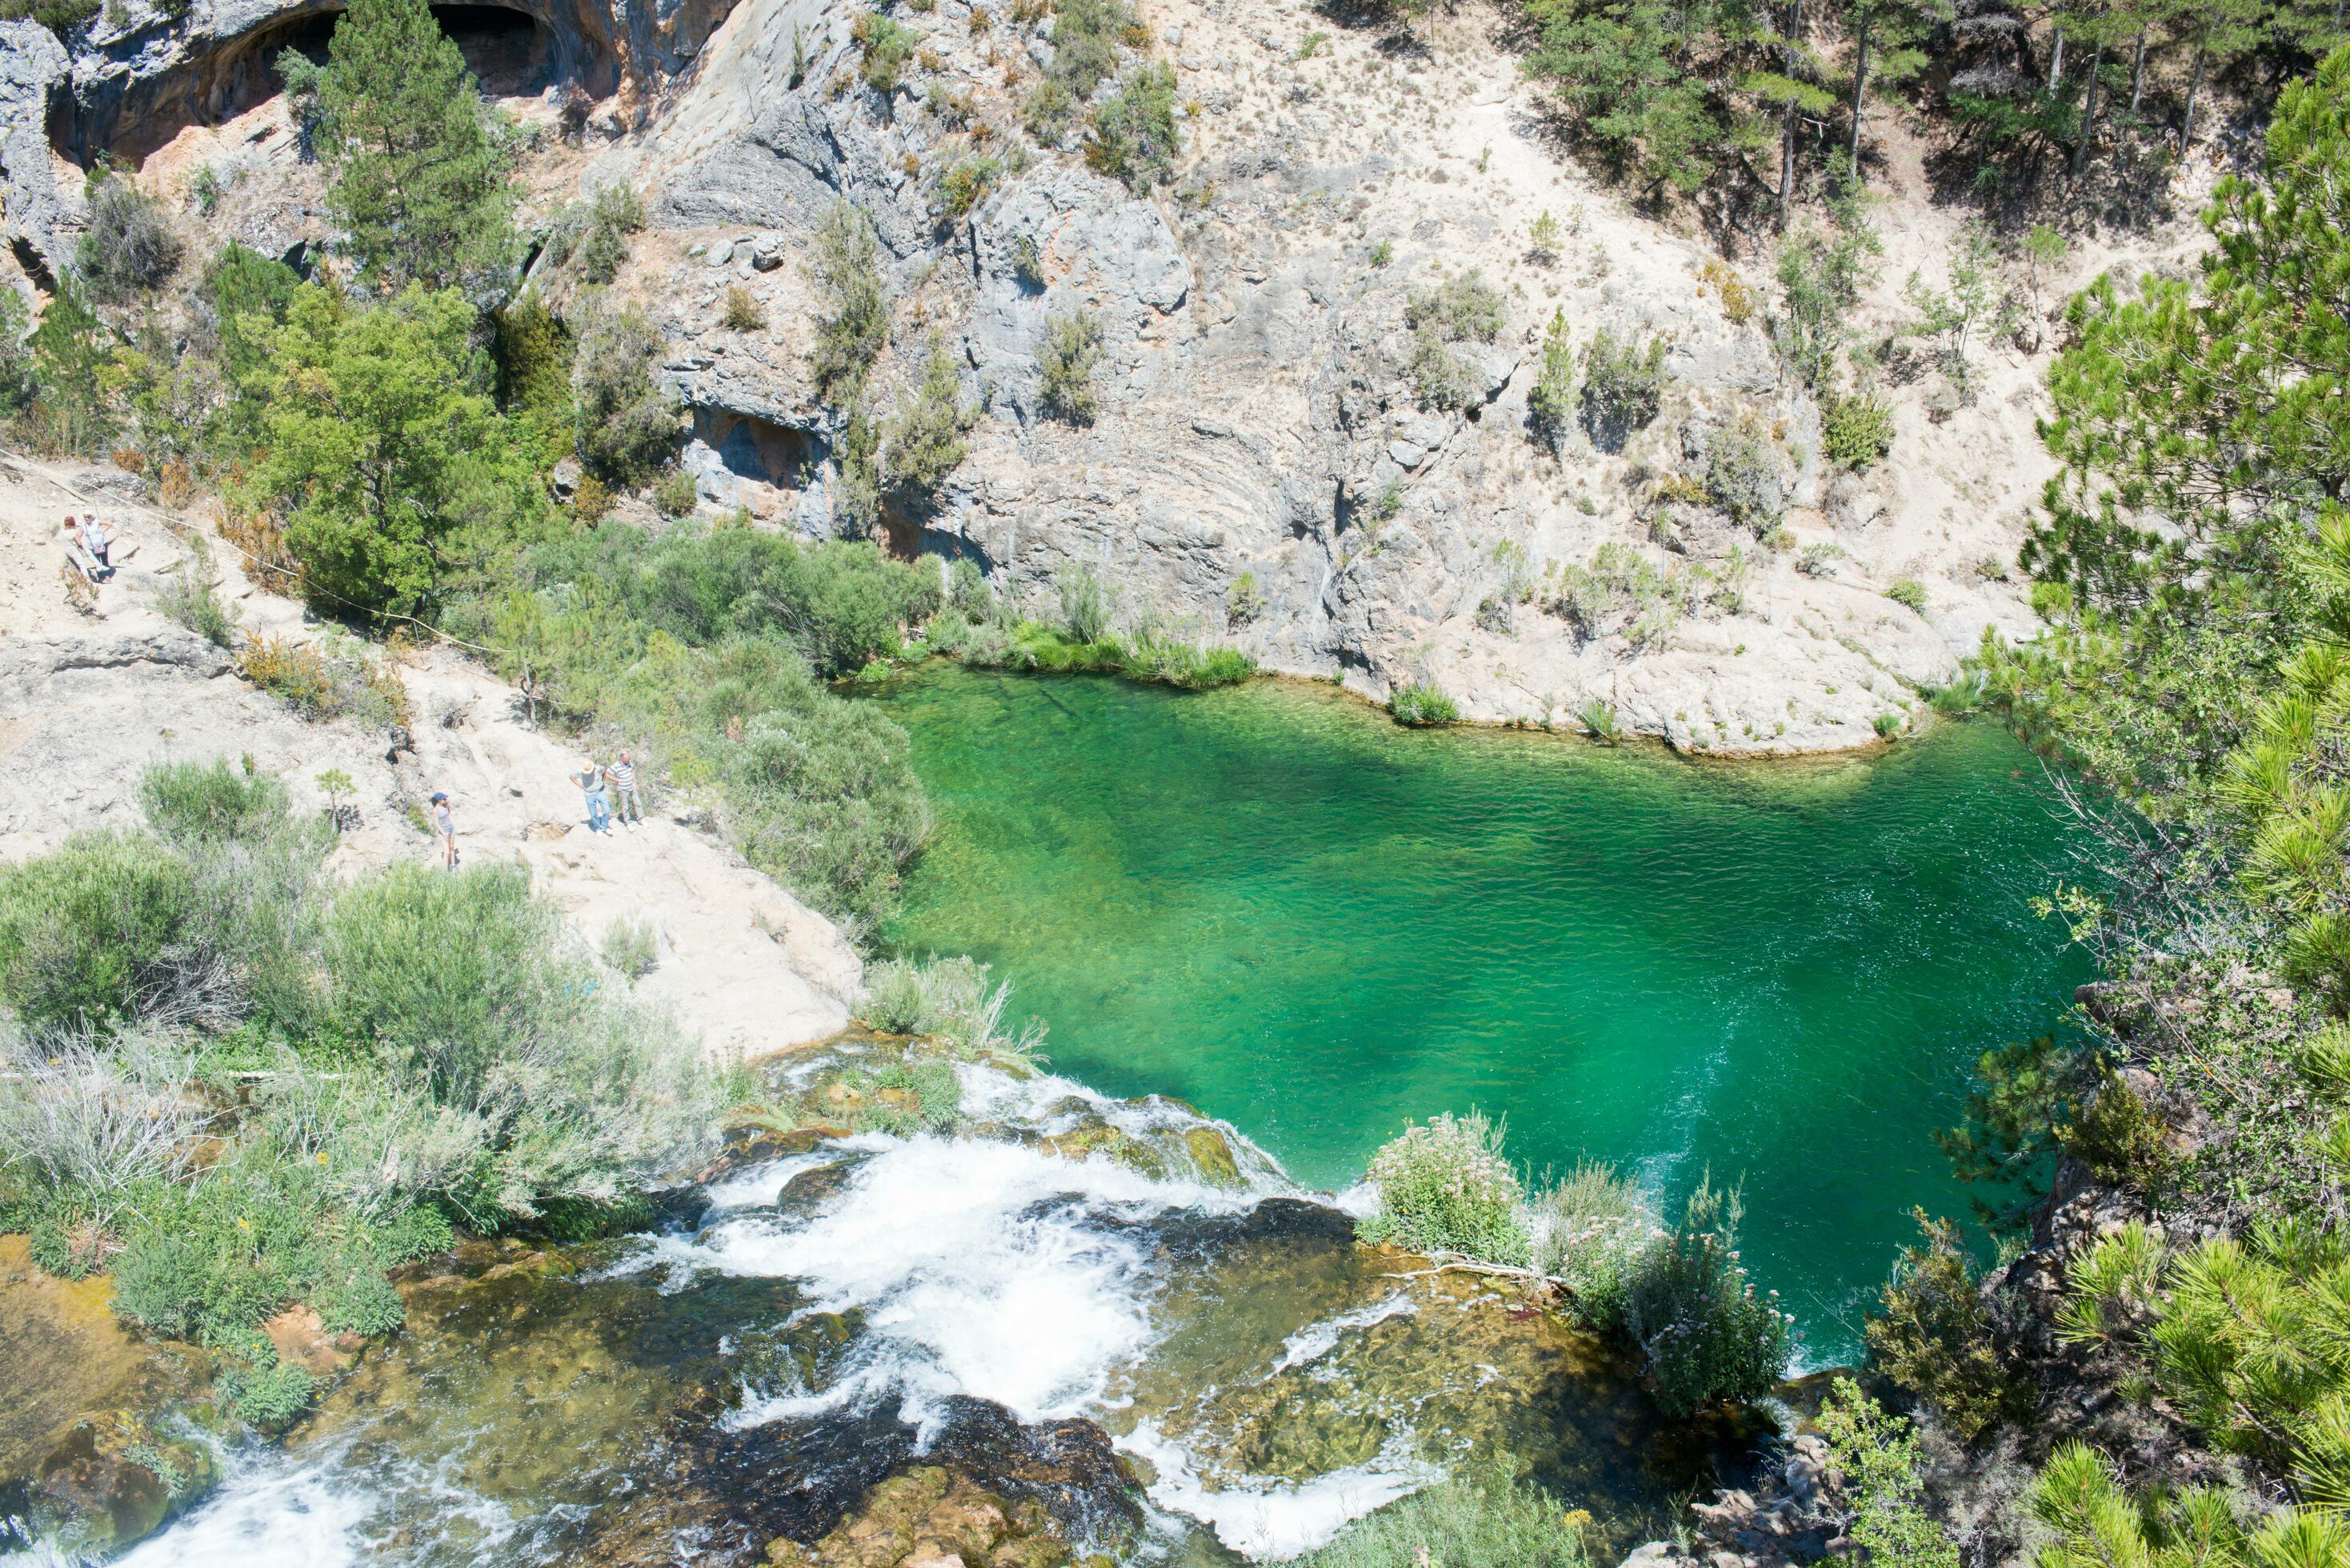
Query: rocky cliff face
[{"x": 1262, "y": 468}]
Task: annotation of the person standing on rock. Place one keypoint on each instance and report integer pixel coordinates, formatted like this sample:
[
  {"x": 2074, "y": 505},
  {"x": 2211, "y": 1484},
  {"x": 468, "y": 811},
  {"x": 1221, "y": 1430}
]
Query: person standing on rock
[
  {"x": 627, "y": 807},
  {"x": 77, "y": 549},
  {"x": 444, "y": 826},
  {"x": 590, "y": 779},
  {"x": 97, "y": 541}
]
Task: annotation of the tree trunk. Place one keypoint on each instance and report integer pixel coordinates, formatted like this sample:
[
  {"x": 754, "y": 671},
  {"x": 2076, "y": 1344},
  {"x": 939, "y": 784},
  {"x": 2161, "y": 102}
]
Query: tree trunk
[
  {"x": 2088, "y": 113},
  {"x": 2194, "y": 86},
  {"x": 1859, "y": 87},
  {"x": 2056, "y": 61},
  {"x": 1787, "y": 126},
  {"x": 2137, "y": 73}
]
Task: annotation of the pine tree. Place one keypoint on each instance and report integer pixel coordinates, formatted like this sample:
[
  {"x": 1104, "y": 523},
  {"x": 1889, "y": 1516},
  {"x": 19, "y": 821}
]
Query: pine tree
[
  {"x": 73, "y": 360},
  {"x": 383, "y": 441},
  {"x": 1550, "y": 405},
  {"x": 420, "y": 185},
  {"x": 1885, "y": 34}
]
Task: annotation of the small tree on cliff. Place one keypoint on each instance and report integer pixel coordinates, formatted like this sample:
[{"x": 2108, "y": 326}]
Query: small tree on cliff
[{"x": 419, "y": 183}]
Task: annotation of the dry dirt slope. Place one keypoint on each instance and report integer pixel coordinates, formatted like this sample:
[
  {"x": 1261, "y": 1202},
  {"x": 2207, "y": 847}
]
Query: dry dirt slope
[{"x": 86, "y": 703}]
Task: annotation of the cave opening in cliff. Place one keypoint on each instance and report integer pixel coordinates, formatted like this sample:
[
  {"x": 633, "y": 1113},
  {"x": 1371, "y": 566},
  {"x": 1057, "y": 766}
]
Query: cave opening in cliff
[
  {"x": 510, "y": 52},
  {"x": 762, "y": 466}
]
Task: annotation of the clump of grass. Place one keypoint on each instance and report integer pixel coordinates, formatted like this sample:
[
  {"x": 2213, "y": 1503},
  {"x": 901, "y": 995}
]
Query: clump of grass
[
  {"x": 191, "y": 596},
  {"x": 1420, "y": 705},
  {"x": 630, "y": 948},
  {"x": 1465, "y": 1523},
  {"x": 1445, "y": 1187},
  {"x": 949, "y": 998}
]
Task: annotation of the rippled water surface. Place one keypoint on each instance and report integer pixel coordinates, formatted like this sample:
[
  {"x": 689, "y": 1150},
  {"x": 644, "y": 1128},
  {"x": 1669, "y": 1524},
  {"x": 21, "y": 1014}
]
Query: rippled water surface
[{"x": 1273, "y": 903}]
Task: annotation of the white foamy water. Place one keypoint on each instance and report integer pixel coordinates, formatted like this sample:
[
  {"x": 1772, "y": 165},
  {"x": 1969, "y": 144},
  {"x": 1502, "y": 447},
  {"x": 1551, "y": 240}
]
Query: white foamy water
[
  {"x": 977, "y": 1267},
  {"x": 765, "y": 1183},
  {"x": 1315, "y": 1341},
  {"x": 1268, "y": 1520},
  {"x": 986, "y": 1269},
  {"x": 266, "y": 1513}
]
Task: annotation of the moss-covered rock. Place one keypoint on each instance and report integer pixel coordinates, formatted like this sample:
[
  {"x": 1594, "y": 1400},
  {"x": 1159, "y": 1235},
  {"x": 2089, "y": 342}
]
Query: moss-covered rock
[{"x": 933, "y": 1517}]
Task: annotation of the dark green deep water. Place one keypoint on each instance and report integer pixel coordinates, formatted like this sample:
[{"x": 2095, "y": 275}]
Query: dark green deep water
[{"x": 1275, "y": 904}]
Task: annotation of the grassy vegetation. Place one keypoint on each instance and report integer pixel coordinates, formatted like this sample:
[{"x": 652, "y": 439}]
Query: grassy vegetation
[
  {"x": 1463, "y": 1523},
  {"x": 1676, "y": 1297},
  {"x": 236, "y": 1085},
  {"x": 710, "y": 646},
  {"x": 1419, "y": 705}
]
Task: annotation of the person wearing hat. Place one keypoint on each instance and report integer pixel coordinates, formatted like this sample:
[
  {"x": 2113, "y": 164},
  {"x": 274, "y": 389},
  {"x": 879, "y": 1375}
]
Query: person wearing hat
[
  {"x": 590, "y": 780},
  {"x": 446, "y": 826}
]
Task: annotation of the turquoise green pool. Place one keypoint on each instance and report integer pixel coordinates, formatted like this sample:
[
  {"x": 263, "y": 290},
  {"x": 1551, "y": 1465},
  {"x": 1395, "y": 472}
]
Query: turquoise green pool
[{"x": 1273, "y": 903}]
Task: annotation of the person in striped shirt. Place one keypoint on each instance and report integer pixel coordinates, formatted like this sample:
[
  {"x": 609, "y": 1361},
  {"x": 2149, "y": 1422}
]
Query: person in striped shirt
[{"x": 626, "y": 805}]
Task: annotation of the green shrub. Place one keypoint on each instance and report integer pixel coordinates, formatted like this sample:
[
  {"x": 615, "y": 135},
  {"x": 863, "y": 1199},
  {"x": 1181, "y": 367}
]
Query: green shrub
[
  {"x": 191, "y": 596},
  {"x": 742, "y": 312},
  {"x": 826, "y": 800},
  {"x": 595, "y": 233},
  {"x": 1066, "y": 367},
  {"x": 1857, "y": 430},
  {"x": 1245, "y": 601},
  {"x": 625, "y": 425},
  {"x": 885, "y": 48},
  {"x": 1085, "y": 604},
  {"x": 1623, "y": 386},
  {"x": 1597, "y": 717},
  {"x": 380, "y": 440},
  {"x": 1934, "y": 1336},
  {"x": 1085, "y": 35},
  {"x": 845, "y": 265},
  {"x": 1135, "y": 137},
  {"x": 925, "y": 442},
  {"x": 108, "y": 929},
  {"x": 904, "y": 997},
  {"x": 61, "y": 17},
  {"x": 272, "y": 1397},
  {"x": 1550, "y": 401},
  {"x": 1595, "y": 1231},
  {"x": 1464, "y": 309},
  {"x": 1462, "y": 1522},
  {"x": 1708, "y": 1338},
  {"x": 1874, "y": 1458},
  {"x": 966, "y": 184},
  {"x": 334, "y": 676},
  {"x": 1459, "y": 308},
  {"x": 1887, "y": 725},
  {"x": 687, "y": 639},
  {"x": 1420, "y": 705},
  {"x": 1441, "y": 376},
  {"x": 129, "y": 247},
  {"x": 1445, "y": 1187},
  {"x": 938, "y": 1092},
  {"x": 675, "y": 494},
  {"x": 1742, "y": 476},
  {"x": 73, "y": 361},
  {"x": 630, "y": 948},
  {"x": 2090, "y": 1519},
  {"x": 949, "y": 998},
  {"x": 1909, "y": 593},
  {"x": 195, "y": 803}
]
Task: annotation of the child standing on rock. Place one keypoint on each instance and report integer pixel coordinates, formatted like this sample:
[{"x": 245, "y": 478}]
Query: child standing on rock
[{"x": 444, "y": 827}]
